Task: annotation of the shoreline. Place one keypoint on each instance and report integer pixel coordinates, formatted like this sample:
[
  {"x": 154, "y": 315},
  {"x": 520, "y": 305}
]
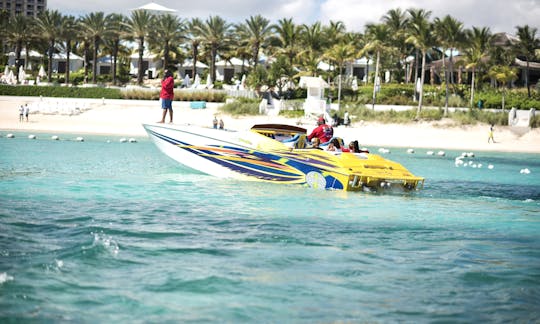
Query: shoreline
[{"x": 119, "y": 117}]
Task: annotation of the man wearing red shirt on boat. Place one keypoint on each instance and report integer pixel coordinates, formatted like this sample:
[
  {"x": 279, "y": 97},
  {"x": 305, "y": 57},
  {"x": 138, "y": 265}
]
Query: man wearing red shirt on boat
[{"x": 323, "y": 131}]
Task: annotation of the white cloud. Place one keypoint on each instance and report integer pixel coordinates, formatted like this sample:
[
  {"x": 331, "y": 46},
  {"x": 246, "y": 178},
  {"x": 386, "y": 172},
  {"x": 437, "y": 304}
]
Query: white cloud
[{"x": 499, "y": 15}]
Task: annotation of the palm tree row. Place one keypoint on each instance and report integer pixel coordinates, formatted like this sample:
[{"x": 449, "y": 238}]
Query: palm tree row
[{"x": 399, "y": 35}]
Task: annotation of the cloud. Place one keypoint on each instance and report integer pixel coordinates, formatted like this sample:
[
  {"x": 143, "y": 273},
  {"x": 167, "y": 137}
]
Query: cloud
[{"x": 499, "y": 15}]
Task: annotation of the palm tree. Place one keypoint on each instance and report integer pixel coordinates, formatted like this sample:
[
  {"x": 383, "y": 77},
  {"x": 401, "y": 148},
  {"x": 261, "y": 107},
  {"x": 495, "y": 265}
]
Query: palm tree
[
  {"x": 49, "y": 25},
  {"x": 194, "y": 37},
  {"x": 420, "y": 35},
  {"x": 340, "y": 54},
  {"x": 168, "y": 28},
  {"x": 377, "y": 36},
  {"x": 527, "y": 47},
  {"x": 504, "y": 75},
  {"x": 68, "y": 33},
  {"x": 139, "y": 25},
  {"x": 255, "y": 33},
  {"x": 215, "y": 33},
  {"x": 94, "y": 27},
  {"x": 17, "y": 33},
  {"x": 116, "y": 29},
  {"x": 286, "y": 37},
  {"x": 416, "y": 17},
  {"x": 478, "y": 40},
  {"x": 449, "y": 33},
  {"x": 397, "y": 22}
]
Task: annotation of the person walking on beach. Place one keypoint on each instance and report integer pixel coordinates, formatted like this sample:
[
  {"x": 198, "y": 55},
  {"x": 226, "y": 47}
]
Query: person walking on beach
[
  {"x": 26, "y": 111},
  {"x": 490, "y": 138},
  {"x": 215, "y": 122},
  {"x": 167, "y": 95},
  {"x": 221, "y": 124},
  {"x": 21, "y": 113}
]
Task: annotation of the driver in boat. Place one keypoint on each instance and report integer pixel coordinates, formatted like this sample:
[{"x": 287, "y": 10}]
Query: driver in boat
[{"x": 320, "y": 132}]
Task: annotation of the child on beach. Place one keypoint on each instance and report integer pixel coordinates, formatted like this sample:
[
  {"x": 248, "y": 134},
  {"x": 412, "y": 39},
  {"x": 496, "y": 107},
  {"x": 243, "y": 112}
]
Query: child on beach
[{"x": 490, "y": 138}]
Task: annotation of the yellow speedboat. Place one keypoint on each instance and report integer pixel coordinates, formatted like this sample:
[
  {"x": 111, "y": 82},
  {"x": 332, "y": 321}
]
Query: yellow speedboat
[{"x": 279, "y": 154}]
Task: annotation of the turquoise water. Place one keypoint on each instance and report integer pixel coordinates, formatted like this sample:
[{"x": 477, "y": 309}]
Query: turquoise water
[{"x": 104, "y": 231}]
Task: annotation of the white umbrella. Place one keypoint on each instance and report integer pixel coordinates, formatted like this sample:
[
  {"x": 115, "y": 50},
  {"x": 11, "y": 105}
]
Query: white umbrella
[
  {"x": 186, "y": 81},
  {"x": 209, "y": 81},
  {"x": 22, "y": 75},
  {"x": 41, "y": 72},
  {"x": 354, "y": 85},
  {"x": 197, "y": 81},
  {"x": 6, "y": 71},
  {"x": 243, "y": 82},
  {"x": 11, "y": 78}
]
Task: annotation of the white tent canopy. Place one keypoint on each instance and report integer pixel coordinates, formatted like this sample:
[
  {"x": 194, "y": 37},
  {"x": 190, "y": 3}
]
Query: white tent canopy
[{"x": 152, "y": 6}]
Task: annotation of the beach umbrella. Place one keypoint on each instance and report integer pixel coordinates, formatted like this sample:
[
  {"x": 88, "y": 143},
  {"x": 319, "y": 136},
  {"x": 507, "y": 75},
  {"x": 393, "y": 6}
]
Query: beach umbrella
[
  {"x": 6, "y": 71},
  {"x": 11, "y": 78},
  {"x": 209, "y": 81},
  {"x": 197, "y": 81},
  {"x": 41, "y": 72},
  {"x": 22, "y": 75},
  {"x": 354, "y": 85},
  {"x": 186, "y": 81},
  {"x": 243, "y": 81}
]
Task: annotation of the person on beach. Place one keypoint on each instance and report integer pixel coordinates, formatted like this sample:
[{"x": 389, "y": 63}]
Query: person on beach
[
  {"x": 490, "y": 138},
  {"x": 167, "y": 95},
  {"x": 26, "y": 111},
  {"x": 21, "y": 113},
  {"x": 215, "y": 122},
  {"x": 221, "y": 124}
]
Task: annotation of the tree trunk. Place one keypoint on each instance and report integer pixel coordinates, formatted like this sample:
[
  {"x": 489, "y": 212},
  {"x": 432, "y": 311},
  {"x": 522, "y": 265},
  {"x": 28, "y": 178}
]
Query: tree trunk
[
  {"x": 472, "y": 88},
  {"x": 415, "y": 70},
  {"x": 527, "y": 79},
  {"x": 140, "y": 71},
  {"x": 195, "y": 56},
  {"x": 115, "y": 60},
  {"x": 422, "y": 78},
  {"x": 49, "y": 64},
  {"x": 375, "y": 82},
  {"x": 445, "y": 86},
  {"x": 68, "y": 63},
  {"x": 94, "y": 64}
]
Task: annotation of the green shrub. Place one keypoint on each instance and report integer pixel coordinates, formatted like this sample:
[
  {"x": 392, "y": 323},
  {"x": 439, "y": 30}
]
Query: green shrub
[
  {"x": 242, "y": 106},
  {"x": 56, "y": 91}
]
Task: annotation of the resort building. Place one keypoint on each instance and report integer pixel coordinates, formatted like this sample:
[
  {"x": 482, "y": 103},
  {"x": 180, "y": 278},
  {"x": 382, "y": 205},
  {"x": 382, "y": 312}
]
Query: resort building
[{"x": 23, "y": 7}]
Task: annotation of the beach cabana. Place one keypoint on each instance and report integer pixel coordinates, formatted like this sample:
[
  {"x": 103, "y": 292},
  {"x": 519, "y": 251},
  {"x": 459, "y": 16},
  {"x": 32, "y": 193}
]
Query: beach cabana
[
  {"x": 186, "y": 68},
  {"x": 151, "y": 64},
  {"x": 59, "y": 62},
  {"x": 227, "y": 69}
]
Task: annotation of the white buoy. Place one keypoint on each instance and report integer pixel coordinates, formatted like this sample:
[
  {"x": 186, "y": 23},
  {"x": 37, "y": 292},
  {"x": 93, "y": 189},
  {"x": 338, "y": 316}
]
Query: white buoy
[
  {"x": 429, "y": 152},
  {"x": 132, "y": 140},
  {"x": 490, "y": 166},
  {"x": 10, "y": 135},
  {"x": 79, "y": 139},
  {"x": 123, "y": 140},
  {"x": 525, "y": 171},
  {"x": 441, "y": 153},
  {"x": 410, "y": 151},
  {"x": 55, "y": 137},
  {"x": 32, "y": 136},
  {"x": 384, "y": 150}
]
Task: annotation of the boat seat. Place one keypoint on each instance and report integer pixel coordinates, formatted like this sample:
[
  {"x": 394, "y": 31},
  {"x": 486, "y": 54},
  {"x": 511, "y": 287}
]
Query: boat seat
[{"x": 298, "y": 141}]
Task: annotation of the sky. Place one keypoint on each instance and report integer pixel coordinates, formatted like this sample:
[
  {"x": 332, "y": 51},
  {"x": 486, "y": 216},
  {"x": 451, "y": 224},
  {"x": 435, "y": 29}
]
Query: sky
[{"x": 498, "y": 15}]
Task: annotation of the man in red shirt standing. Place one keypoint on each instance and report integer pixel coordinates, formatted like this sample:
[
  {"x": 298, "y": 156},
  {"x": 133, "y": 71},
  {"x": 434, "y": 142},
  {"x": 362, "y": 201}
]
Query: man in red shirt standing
[
  {"x": 323, "y": 131},
  {"x": 167, "y": 95}
]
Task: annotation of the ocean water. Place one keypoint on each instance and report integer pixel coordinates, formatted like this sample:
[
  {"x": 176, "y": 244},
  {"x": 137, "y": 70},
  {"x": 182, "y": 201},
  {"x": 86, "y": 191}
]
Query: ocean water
[{"x": 101, "y": 231}]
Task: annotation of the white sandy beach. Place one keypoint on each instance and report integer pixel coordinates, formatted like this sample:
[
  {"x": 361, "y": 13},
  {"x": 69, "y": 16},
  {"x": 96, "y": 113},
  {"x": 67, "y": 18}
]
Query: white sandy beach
[{"x": 124, "y": 117}]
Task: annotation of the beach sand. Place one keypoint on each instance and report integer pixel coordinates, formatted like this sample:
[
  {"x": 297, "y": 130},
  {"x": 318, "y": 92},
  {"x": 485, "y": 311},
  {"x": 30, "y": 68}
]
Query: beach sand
[{"x": 124, "y": 117}]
